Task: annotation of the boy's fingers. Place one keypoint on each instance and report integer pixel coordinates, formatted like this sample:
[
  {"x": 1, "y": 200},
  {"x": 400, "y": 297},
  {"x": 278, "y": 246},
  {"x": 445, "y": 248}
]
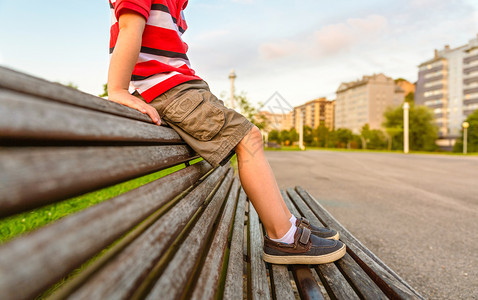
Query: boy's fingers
[{"x": 153, "y": 114}]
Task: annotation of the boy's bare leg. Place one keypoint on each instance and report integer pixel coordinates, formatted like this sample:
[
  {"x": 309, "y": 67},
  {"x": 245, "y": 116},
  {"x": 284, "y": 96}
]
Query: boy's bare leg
[{"x": 260, "y": 185}]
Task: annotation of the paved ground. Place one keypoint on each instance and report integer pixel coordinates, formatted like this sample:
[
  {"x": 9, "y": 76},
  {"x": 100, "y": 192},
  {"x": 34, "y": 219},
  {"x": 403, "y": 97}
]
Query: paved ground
[{"x": 418, "y": 213}]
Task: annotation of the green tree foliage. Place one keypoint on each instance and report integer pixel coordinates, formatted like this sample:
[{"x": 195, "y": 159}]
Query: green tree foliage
[
  {"x": 410, "y": 97},
  {"x": 422, "y": 129},
  {"x": 105, "y": 91},
  {"x": 308, "y": 135},
  {"x": 274, "y": 136},
  {"x": 472, "y": 133},
  {"x": 321, "y": 136},
  {"x": 342, "y": 138},
  {"x": 249, "y": 111},
  {"x": 288, "y": 137},
  {"x": 373, "y": 138}
]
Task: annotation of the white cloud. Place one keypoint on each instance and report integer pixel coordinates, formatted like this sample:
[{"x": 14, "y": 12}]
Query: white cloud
[
  {"x": 328, "y": 40},
  {"x": 272, "y": 50},
  {"x": 1, "y": 58}
]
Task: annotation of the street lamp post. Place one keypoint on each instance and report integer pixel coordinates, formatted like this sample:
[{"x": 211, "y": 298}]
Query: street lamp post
[
  {"x": 465, "y": 136},
  {"x": 301, "y": 133},
  {"x": 406, "y": 108}
]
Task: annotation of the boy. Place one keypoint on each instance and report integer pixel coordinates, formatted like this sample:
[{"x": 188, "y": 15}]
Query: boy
[{"x": 148, "y": 54}]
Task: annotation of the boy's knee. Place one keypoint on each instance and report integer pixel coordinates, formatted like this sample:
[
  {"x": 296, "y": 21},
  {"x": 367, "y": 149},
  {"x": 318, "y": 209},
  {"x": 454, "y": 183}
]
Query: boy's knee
[{"x": 251, "y": 141}]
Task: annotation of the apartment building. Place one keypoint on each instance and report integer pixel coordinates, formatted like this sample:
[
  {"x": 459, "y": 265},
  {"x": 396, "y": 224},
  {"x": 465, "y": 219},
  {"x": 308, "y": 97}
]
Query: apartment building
[
  {"x": 314, "y": 113},
  {"x": 365, "y": 101},
  {"x": 277, "y": 121},
  {"x": 448, "y": 84}
]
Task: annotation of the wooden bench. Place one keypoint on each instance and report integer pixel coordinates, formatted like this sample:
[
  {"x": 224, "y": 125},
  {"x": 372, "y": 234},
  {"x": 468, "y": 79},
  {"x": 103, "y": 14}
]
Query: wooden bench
[{"x": 192, "y": 234}]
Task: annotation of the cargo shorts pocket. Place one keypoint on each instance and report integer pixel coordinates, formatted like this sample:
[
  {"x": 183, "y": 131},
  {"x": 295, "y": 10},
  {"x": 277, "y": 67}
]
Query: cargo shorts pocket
[{"x": 195, "y": 115}]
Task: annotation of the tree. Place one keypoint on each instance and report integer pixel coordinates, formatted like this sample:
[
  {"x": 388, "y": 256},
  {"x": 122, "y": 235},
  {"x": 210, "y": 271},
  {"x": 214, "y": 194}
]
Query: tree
[
  {"x": 321, "y": 134},
  {"x": 105, "y": 91},
  {"x": 249, "y": 111},
  {"x": 274, "y": 135},
  {"x": 422, "y": 129},
  {"x": 472, "y": 132},
  {"x": 308, "y": 135},
  {"x": 372, "y": 138},
  {"x": 342, "y": 137}
]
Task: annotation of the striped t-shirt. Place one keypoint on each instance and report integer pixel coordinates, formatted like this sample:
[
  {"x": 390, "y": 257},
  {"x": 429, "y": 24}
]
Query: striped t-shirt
[{"x": 162, "y": 63}]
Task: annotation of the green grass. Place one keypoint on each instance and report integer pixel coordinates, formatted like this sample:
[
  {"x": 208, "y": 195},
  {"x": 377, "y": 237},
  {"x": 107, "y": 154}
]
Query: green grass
[
  {"x": 25, "y": 222},
  {"x": 296, "y": 148}
]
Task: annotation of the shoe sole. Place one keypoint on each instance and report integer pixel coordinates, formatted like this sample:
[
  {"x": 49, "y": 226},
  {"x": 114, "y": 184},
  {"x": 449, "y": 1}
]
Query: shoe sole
[
  {"x": 305, "y": 259},
  {"x": 335, "y": 237}
]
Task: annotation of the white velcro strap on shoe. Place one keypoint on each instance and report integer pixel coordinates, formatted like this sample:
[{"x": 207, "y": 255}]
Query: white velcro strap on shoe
[{"x": 305, "y": 236}]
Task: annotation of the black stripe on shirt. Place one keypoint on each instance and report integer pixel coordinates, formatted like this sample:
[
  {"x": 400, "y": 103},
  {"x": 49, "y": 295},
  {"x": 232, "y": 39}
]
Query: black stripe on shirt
[
  {"x": 164, "y": 53},
  {"x": 164, "y": 8},
  {"x": 160, "y": 7},
  {"x": 139, "y": 78},
  {"x": 159, "y": 52}
]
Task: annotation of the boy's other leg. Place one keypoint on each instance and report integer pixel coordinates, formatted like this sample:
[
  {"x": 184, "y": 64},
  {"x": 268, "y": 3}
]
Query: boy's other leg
[{"x": 260, "y": 185}]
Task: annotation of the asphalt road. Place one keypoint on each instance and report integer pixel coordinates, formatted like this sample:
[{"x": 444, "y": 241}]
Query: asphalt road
[{"x": 418, "y": 213}]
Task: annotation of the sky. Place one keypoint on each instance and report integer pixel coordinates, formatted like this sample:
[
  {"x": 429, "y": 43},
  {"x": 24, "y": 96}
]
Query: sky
[{"x": 301, "y": 49}]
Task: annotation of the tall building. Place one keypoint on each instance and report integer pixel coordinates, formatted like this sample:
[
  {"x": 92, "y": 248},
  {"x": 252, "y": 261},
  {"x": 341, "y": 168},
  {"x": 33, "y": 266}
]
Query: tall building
[
  {"x": 314, "y": 113},
  {"x": 277, "y": 121},
  {"x": 365, "y": 101},
  {"x": 448, "y": 84}
]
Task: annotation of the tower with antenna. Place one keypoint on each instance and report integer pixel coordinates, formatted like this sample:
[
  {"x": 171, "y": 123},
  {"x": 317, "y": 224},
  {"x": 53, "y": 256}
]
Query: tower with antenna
[{"x": 232, "y": 78}]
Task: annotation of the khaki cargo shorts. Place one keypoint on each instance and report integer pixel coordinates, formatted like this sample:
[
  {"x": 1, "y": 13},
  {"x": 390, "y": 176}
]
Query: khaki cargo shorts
[{"x": 202, "y": 120}]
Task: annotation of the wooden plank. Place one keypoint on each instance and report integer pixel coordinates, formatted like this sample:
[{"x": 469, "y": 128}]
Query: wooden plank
[
  {"x": 304, "y": 281},
  {"x": 303, "y": 209},
  {"x": 121, "y": 277},
  {"x": 359, "y": 280},
  {"x": 208, "y": 280},
  {"x": 182, "y": 266},
  {"x": 306, "y": 284},
  {"x": 280, "y": 282},
  {"x": 334, "y": 282},
  {"x": 54, "y": 174},
  {"x": 23, "y": 83},
  {"x": 259, "y": 285},
  {"x": 25, "y": 117},
  {"x": 390, "y": 283},
  {"x": 233, "y": 288},
  {"x": 362, "y": 284},
  {"x": 50, "y": 253},
  {"x": 331, "y": 277}
]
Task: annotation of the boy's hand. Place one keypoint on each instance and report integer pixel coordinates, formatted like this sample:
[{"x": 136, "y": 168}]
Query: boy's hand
[
  {"x": 124, "y": 57},
  {"x": 125, "y": 98}
]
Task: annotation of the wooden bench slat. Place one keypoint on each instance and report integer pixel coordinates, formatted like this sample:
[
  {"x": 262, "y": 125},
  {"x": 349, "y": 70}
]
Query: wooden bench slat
[
  {"x": 126, "y": 272},
  {"x": 186, "y": 260},
  {"x": 52, "y": 252},
  {"x": 209, "y": 277},
  {"x": 329, "y": 273},
  {"x": 280, "y": 282},
  {"x": 334, "y": 282},
  {"x": 259, "y": 285},
  {"x": 233, "y": 288},
  {"x": 306, "y": 284},
  {"x": 20, "y": 82},
  {"x": 25, "y": 117},
  {"x": 392, "y": 285},
  {"x": 363, "y": 285},
  {"x": 54, "y": 174}
]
